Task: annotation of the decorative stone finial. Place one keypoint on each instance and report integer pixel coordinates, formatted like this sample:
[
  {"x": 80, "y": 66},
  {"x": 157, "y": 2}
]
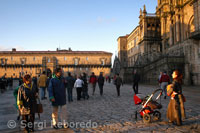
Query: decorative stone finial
[
  {"x": 144, "y": 10},
  {"x": 140, "y": 12}
]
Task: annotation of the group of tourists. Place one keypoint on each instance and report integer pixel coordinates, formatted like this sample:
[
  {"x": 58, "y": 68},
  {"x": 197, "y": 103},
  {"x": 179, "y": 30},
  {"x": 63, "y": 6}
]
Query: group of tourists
[
  {"x": 27, "y": 94},
  {"x": 5, "y": 83}
]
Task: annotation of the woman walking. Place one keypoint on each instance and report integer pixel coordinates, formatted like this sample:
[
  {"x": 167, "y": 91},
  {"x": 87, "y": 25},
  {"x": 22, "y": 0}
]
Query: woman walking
[
  {"x": 176, "y": 111},
  {"x": 26, "y": 101}
]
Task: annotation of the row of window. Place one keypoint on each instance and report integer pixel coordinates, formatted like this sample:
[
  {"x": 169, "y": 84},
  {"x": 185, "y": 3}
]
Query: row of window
[{"x": 34, "y": 58}]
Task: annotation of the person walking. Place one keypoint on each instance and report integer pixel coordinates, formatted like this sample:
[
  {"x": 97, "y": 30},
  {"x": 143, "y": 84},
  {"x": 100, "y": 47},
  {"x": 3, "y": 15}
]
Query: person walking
[
  {"x": 42, "y": 82},
  {"x": 101, "y": 83},
  {"x": 136, "y": 79},
  {"x": 26, "y": 101},
  {"x": 57, "y": 96},
  {"x": 93, "y": 81},
  {"x": 164, "y": 81},
  {"x": 85, "y": 86},
  {"x": 78, "y": 85},
  {"x": 70, "y": 85},
  {"x": 176, "y": 110},
  {"x": 118, "y": 83}
]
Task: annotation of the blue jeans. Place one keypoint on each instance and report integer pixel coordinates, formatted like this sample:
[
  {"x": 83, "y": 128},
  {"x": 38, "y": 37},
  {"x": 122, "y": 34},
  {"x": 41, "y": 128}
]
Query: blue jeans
[
  {"x": 42, "y": 92},
  {"x": 70, "y": 94}
]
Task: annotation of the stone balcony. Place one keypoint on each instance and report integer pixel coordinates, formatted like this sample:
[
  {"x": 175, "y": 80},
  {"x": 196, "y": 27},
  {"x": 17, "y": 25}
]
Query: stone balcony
[{"x": 195, "y": 35}]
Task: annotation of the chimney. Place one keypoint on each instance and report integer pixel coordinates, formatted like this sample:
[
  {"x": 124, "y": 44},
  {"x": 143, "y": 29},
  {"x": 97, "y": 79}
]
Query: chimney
[{"x": 13, "y": 49}]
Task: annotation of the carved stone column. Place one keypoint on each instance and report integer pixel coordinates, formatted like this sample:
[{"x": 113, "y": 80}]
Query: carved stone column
[{"x": 177, "y": 28}]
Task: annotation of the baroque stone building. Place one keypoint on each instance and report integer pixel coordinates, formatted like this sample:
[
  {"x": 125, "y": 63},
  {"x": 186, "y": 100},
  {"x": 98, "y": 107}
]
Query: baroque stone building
[
  {"x": 16, "y": 63},
  {"x": 166, "y": 40}
]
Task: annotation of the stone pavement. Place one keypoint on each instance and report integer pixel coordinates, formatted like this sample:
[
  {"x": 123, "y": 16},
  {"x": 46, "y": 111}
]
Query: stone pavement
[{"x": 107, "y": 113}]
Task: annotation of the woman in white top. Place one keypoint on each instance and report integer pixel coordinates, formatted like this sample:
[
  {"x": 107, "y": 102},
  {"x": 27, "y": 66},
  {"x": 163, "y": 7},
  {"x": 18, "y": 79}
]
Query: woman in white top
[{"x": 78, "y": 85}]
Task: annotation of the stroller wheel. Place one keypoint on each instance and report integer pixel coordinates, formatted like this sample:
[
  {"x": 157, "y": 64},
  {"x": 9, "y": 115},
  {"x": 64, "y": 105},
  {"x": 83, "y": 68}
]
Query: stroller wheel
[
  {"x": 156, "y": 115},
  {"x": 146, "y": 118}
]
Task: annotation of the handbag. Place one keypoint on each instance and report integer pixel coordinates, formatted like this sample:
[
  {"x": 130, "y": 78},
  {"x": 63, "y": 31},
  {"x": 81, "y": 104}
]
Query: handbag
[
  {"x": 39, "y": 107},
  {"x": 24, "y": 111}
]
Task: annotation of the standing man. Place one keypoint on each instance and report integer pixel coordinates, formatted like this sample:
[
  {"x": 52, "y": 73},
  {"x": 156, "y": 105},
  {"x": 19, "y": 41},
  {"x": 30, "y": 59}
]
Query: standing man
[
  {"x": 85, "y": 86},
  {"x": 70, "y": 85},
  {"x": 118, "y": 83},
  {"x": 136, "y": 79},
  {"x": 42, "y": 82},
  {"x": 101, "y": 83},
  {"x": 93, "y": 81},
  {"x": 164, "y": 81},
  {"x": 57, "y": 95}
]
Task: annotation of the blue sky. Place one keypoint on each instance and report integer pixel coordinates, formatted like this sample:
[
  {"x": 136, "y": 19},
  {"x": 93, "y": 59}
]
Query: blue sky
[{"x": 79, "y": 24}]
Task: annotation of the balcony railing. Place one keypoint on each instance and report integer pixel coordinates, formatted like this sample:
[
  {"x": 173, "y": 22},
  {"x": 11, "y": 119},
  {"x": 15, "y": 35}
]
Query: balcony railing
[{"x": 195, "y": 35}]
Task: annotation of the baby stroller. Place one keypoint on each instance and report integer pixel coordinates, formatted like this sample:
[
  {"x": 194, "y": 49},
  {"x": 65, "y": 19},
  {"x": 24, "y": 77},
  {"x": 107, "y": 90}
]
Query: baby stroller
[{"x": 150, "y": 106}]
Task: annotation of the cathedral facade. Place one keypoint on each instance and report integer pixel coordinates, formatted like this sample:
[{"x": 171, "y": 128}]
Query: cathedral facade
[
  {"x": 17, "y": 63},
  {"x": 165, "y": 40}
]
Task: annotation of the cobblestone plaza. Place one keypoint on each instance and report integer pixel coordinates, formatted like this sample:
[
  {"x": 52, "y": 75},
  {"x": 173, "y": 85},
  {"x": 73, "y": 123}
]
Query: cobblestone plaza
[{"x": 107, "y": 113}]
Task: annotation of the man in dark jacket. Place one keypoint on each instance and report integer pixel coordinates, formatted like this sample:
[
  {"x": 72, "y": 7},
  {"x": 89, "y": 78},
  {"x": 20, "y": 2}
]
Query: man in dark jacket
[
  {"x": 70, "y": 85},
  {"x": 57, "y": 95},
  {"x": 85, "y": 87},
  {"x": 118, "y": 83},
  {"x": 136, "y": 79},
  {"x": 101, "y": 83}
]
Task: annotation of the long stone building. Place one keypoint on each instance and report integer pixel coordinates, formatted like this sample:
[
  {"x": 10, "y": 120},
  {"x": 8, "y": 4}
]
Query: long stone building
[
  {"x": 165, "y": 40},
  {"x": 17, "y": 63}
]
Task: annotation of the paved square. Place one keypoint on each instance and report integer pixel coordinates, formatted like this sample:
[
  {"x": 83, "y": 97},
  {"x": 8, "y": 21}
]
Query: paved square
[{"x": 107, "y": 113}]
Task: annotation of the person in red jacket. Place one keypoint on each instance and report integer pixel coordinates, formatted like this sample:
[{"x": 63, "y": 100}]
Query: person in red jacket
[
  {"x": 93, "y": 81},
  {"x": 164, "y": 81}
]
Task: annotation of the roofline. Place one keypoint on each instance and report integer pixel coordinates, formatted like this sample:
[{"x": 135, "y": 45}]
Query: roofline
[
  {"x": 126, "y": 36},
  {"x": 55, "y": 52},
  {"x": 133, "y": 30}
]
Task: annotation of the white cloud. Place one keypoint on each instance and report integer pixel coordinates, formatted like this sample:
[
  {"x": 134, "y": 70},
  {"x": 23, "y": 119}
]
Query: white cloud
[{"x": 9, "y": 48}]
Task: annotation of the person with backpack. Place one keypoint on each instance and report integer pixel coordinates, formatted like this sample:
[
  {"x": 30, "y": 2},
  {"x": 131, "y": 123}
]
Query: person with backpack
[
  {"x": 101, "y": 83},
  {"x": 57, "y": 96},
  {"x": 93, "y": 81},
  {"x": 42, "y": 82}
]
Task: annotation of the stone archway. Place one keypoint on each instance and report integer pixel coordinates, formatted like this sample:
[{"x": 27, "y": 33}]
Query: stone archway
[{"x": 191, "y": 26}]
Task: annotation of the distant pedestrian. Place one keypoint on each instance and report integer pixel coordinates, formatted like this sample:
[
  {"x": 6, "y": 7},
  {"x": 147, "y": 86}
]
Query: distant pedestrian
[
  {"x": 26, "y": 101},
  {"x": 93, "y": 81},
  {"x": 136, "y": 79},
  {"x": 101, "y": 83},
  {"x": 70, "y": 85},
  {"x": 85, "y": 87},
  {"x": 118, "y": 83},
  {"x": 20, "y": 80},
  {"x": 164, "y": 81},
  {"x": 57, "y": 95},
  {"x": 161, "y": 73},
  {"x": 79, "y": 86},
  {"x": 109, "y": 79},
  {"x": 42, "y": 82},
  {"x": 176, "y": 110},
  {"x": 15, "y": 93}
]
